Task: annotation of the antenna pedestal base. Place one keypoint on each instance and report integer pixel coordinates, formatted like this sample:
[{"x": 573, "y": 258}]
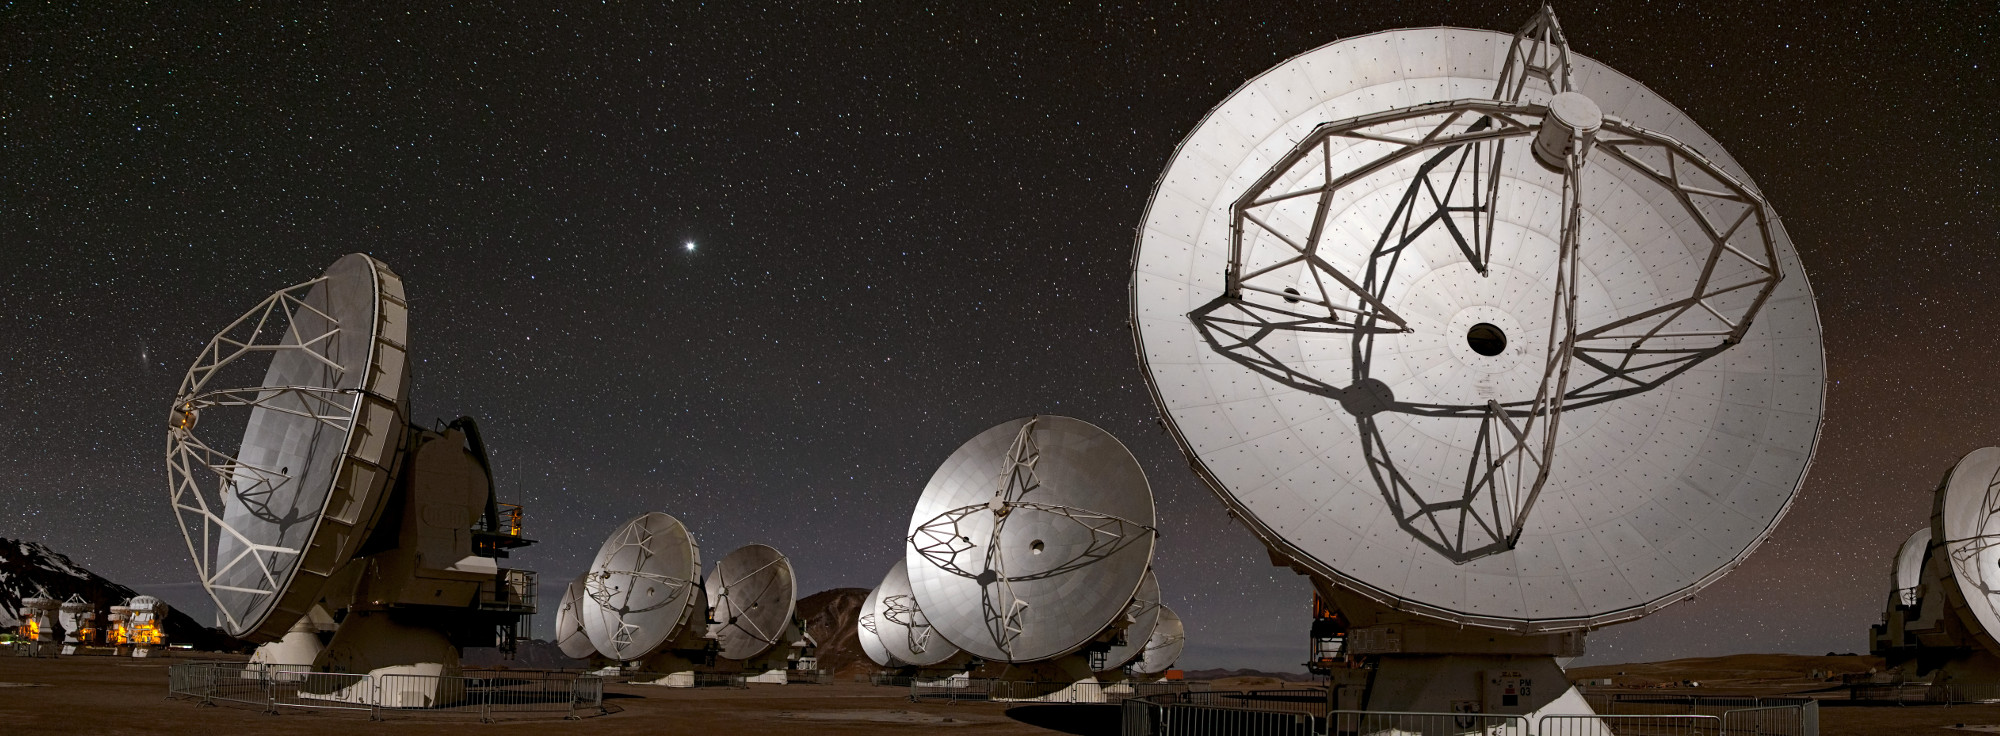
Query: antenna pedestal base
[
  {"x": 1531, "y": 685},
  {"x": 1064, "y": 680},
  {"x": 1423, "y": 665},
  {"x": 677, "y": 663},
  {"x": 1942, "y": 667},
  {"x": 409, "y": 665},
  {"x": 297, "y": 649},
  {"x": 770, "y": 665}
]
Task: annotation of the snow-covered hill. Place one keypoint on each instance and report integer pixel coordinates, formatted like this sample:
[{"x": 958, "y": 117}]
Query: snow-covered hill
[{"x": 28, "y": 567}]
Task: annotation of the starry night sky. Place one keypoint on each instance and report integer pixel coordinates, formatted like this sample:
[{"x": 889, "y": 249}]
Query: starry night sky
[{"x": 910, "y": 224}]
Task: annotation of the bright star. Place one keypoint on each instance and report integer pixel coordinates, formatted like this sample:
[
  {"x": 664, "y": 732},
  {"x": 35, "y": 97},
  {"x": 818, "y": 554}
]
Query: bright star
[{"x": 690, "y": 246}]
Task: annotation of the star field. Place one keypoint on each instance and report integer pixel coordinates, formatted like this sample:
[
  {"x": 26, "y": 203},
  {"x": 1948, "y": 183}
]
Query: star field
[{"x": 763, "y": 269}]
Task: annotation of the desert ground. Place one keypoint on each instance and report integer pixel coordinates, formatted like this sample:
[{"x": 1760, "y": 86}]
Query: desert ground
[
  {"x": 106, "y": 695},
  {"x": 95, "y": 695}
]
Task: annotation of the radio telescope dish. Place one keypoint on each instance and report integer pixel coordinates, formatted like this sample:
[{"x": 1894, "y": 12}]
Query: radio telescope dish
[
  {"x": 1030, "y": 539},
  {"x": 900, "y": 624},
  {"x": 1143, "y": 614},
  {"x": 870, "y": 635},
  {"x": 754, "y": 596},
  {"x": 1966, "y": 519},
  {"x": 641, "y": 586},
  {"x": 1163, "y": 647},
  {"x": 72, "y": 612},
  {"x": 570, "y": 635},
  {"x": 280, "y": 441},
  {"x": 1909, "y": 568},
  {"x": 1532, "y": 356}
]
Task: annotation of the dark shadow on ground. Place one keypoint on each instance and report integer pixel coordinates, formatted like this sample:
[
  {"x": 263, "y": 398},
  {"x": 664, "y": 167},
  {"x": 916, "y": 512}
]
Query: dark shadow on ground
[{"x": 1075, "y": 719}]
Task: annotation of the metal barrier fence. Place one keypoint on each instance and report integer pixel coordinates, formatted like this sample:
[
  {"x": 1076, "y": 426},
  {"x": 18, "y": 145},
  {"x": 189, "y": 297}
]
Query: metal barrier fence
[
  {"x": 820, "y": 677},
  {"x": 903, "y": 681},
  {"x": 485, "y": 695},
  {"x": 1633, "y": 703},
  {"x": 955, "y": 689},
  {"x": 1315, "y": 701},
  {"x": 717, "y": 679},
  {"x": 1351, "y": 722},
  {"x": 1775, "y": 720},
  {"x": 691, "y": 679},
  {"x": 1926, "y": 693},
  {"x": 1158, "y": 688},
  {"x": 1630, "y": 724},
  {"x": 951, "y": 690},
  {"x": 312, "y": 690},
  {"x": 1181, "y": 715},
  {"x": 35, "y": 649},
  {"x": 1149, "y": 717},
  {"x": 1793, "y": 715}
]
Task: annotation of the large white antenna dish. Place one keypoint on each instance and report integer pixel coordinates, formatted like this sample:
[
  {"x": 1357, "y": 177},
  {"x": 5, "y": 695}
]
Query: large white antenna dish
[
  {"x": 754, "y": 595},
  {"x": 1030, "y": 539},
  {"x": 273, "y": 501},
  {"x": 72, "y": 613},
  {"x": 1163, "y": 647},
  {"x": 902, "y": 628},
  {"x": 642, "y": 586},
  {"x": 868, "y": 631},
  {"x": 286, "y": 442},
  {"x": 1908, "y": 572},
  {"x": 1479, "y": 328},
  {"x": 1142, "y": 615},
  {"x": 570, "y": 635},
  {"x": 1965, "y": 523}
]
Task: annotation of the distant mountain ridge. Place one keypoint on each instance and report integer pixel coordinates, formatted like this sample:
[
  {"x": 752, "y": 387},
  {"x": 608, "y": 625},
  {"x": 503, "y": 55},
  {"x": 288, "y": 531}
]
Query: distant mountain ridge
[
  {"x": 29, "y": 567},
  {"x": 832, "y": 618}
]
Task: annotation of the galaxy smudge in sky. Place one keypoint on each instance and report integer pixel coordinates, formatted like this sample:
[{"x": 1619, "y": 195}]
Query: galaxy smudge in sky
[{"x": 912, "y": 224}]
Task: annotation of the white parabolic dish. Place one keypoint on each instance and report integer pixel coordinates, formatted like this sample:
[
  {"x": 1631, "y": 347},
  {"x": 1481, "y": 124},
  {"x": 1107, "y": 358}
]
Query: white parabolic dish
[
  {"x": 1164, "y": 646},
  {"x": 901, "y": 626},
  {"x": 273, "y": 501},
  {"x": 1966, "y": 519},
  {"x": 1359, "y": 442},
  {"x": 570, "y": 636},
  {"x": 1144, "y": 614},
  {"x": 1030, "y": 539},
  {"x": 754, "y": 596},
  {"x": 640, "y": 589},
  {"x": 870, "y": 635},
  {"x": 70, "y": 614},
  {"x": 1909, "y": 572}
]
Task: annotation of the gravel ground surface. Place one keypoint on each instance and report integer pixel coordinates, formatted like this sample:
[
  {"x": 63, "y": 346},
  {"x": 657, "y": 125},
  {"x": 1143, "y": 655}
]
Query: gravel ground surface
[{"x": 107, "y": 696}]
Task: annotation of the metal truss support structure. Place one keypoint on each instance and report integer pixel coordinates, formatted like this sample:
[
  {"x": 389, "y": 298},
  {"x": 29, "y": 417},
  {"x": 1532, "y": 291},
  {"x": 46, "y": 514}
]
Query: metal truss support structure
[
  {"x": 599, "y": 585},
  {"x": 1307, "y": 275},
  {"x": 206, "y": 480},
  {"x": 946, "y": 540}
]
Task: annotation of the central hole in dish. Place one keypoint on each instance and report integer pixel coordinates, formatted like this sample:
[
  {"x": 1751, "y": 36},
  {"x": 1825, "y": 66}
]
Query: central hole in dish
[
  {"x": 1486, "y": 339},
  {"x": 1036, "y": 547}
]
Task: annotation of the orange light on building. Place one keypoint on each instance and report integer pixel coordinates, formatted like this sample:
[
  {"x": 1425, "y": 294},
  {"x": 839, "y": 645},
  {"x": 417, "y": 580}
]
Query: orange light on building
[
  {"x": 118, "y": 635},
  {"x": 30, "y": 630},
  {"x": 147, "y": 634}
]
